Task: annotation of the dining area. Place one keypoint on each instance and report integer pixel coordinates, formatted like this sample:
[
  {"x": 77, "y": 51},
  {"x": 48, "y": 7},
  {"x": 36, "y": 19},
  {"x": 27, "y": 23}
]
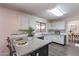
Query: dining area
[{"x": 74, "y": 37}]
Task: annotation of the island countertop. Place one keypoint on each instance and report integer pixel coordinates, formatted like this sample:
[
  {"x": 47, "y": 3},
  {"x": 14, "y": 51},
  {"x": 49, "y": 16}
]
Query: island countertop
[{"x": 31, "y": 46}]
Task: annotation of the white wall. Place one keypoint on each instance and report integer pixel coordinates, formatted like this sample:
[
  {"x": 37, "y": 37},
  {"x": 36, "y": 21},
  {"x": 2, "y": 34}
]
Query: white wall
[{"x": 10, "y": 21}]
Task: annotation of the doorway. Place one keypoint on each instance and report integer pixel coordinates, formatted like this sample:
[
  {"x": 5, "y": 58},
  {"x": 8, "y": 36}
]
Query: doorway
[{"x": 73, "y": 32}]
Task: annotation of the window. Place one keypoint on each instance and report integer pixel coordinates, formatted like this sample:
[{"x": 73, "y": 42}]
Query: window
[{"x": 40, "y": 27}]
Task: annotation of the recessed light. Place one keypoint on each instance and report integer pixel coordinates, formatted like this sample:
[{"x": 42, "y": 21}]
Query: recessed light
[{"x": 56, "y": 11}]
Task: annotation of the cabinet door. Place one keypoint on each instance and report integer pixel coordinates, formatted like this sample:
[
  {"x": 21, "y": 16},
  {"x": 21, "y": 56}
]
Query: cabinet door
[
  {"x": 61, "y": 39},
  {"x": 58, "y": 39},
  {"x": 57, "y": 25},
  {"x": 43, "y": 51},
  {"x": 55, "y": 38}
]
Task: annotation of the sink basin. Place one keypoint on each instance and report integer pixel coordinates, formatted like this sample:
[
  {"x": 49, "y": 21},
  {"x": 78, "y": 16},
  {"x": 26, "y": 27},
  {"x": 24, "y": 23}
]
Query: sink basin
[{"x": 41, "y": 38}]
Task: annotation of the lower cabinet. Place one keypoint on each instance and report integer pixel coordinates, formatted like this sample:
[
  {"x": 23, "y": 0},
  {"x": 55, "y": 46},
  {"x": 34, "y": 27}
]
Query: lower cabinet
[
  {"x": 43, "y": 51},
  {"x": 61, "y": 39}
]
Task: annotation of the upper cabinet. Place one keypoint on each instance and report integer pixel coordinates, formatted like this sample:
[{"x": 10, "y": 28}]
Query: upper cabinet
[{"x": 59, "y": 25}]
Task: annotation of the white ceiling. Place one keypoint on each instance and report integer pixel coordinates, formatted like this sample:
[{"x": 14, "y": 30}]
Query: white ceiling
[{"x": 40, "y": 9}]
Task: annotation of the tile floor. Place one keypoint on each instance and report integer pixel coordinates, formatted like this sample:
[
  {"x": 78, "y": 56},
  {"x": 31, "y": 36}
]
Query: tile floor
[{"x": 59, "y": 50}]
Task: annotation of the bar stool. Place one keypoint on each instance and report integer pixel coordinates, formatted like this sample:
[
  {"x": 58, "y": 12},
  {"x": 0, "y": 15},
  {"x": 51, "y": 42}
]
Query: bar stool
[{"x": 11, "y": 47}]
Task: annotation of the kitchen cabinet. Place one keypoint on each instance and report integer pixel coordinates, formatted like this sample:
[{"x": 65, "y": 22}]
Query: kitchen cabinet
[
  {"x": 43, "y": 51},
  {"x": 57, "y": 38},
  {"x": 56, "y": 25}
]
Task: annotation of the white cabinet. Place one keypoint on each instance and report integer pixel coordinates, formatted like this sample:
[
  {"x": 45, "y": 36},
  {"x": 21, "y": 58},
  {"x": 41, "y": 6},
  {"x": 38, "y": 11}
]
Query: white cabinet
[
  {"x": 56, "y": 25},
  {"x": 57, "y": 38}
]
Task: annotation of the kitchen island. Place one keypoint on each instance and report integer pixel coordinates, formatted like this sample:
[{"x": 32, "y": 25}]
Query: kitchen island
[{"x": 34, "y": 47}]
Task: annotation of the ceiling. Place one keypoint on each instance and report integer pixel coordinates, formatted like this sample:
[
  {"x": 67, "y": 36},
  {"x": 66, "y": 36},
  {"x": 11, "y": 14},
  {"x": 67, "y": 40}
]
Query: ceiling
[{"x": 40, "y": 9}]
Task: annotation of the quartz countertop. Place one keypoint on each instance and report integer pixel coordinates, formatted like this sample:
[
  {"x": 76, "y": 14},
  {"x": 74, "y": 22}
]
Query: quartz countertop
[{"x": 31, "y": 46}]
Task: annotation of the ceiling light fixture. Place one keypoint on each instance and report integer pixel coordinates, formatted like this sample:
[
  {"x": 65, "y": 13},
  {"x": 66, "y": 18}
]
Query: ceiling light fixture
[{"x": 56, "y": 11}]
